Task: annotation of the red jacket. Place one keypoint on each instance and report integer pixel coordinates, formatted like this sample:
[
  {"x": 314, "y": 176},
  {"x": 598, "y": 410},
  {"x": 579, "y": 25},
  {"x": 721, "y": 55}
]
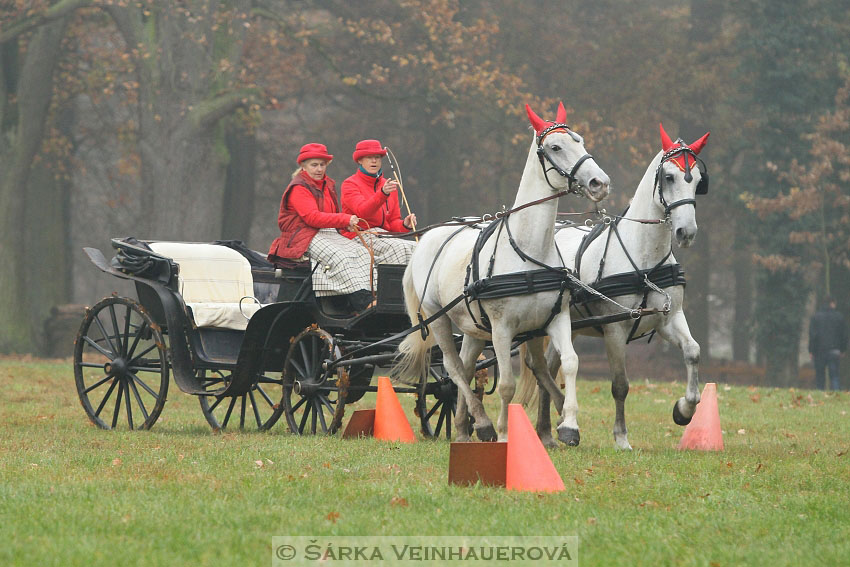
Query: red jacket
[
  {"x": 306, "y": 206},
  {"x": 362, "y": 196}
]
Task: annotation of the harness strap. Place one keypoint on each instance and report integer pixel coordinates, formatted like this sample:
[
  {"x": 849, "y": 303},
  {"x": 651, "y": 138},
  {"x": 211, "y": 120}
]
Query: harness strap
[{"x": 428, "y": 278}]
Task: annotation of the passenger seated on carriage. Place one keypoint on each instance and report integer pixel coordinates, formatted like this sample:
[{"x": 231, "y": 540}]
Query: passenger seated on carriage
[
  {"x": 373, "y": 198},
  {"x": 310, "y": 218}
]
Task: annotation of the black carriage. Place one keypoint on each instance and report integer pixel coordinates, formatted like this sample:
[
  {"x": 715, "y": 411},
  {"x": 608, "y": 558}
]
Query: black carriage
[{"x": 249, "y": 339}]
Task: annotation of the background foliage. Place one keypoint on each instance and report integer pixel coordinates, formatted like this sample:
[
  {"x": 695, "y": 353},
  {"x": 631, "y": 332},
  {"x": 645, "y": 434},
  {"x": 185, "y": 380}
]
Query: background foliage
[{"x": 181, "y": 120}]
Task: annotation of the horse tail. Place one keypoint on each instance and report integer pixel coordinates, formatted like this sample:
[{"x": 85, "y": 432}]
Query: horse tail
[
  {"x": 414, "y": 351},
  {"x": 526, "y": 390}
]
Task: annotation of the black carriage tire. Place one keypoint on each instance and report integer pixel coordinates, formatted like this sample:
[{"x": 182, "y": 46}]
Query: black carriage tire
[
  {"x": 254, "y": 410},
  {"x": 436, "y": 403},
  {"x": 313, "y": 402},
  {"x": 120, "y": 357}
]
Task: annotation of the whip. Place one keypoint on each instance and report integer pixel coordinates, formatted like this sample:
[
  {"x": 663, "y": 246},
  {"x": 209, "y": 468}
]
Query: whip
[{"x": 397, "y": 176}]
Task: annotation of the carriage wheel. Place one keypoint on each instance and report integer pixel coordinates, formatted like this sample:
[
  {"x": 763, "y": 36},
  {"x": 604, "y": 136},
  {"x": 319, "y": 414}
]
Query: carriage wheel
[
  {"x": 255, "y": 409},
  {"x": 313, "y": 401},
  {"x": 120, "y": 361},
  {"x": 436, "y": 403}
]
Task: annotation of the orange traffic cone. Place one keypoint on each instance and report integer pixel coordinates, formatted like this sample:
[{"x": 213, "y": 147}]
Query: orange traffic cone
[
  {"x": 529, "y": 467},
  {"x": 703, "y": 432},
  {"x": 390, "y": 422}
]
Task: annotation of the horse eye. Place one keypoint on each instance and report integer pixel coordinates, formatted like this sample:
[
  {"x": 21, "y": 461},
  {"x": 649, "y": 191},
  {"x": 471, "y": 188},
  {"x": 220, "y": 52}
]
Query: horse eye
[
  {"x": 668, "y": 178},
  {"x": 556, "y": 148}
]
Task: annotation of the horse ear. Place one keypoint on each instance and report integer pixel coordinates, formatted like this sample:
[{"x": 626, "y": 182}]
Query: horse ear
[
  {"x": 536, "y": 122},
  {"x": 698, "y": 145},
  {"x": 666, "y": 142},
  {"x": 561, "y": 117}
]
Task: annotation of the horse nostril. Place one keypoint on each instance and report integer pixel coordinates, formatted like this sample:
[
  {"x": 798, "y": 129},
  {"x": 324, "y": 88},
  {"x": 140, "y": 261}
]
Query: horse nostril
[{"x": 595, "y": 184}]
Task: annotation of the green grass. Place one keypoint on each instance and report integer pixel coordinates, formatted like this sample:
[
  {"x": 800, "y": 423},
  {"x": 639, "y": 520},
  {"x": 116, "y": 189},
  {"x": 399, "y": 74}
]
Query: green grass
[{"x": 71, "y": 494}]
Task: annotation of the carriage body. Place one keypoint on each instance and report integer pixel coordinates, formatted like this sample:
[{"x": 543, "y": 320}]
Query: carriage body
[{"x": 249, "y": 339}]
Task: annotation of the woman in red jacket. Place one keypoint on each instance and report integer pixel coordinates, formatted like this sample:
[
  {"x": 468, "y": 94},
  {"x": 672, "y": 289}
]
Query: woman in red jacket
[
  {"x": 374, "y": 199},
  {"x": 310, "y": 218}
]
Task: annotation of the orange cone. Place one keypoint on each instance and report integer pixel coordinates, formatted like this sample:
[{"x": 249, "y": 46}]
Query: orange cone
[
  {"x": 529, "y": 467},
  {"x": 703, "y": 432},
  {"x": 390, "y": 422}
]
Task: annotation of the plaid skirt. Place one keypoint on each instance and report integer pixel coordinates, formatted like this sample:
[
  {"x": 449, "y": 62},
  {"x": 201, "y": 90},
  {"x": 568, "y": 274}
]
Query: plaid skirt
[
  {"x": 343, "y": 264},
  {"x": 387, "y": 250}
]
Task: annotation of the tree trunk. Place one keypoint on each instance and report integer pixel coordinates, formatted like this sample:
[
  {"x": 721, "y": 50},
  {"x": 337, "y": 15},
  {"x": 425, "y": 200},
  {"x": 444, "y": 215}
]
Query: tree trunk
[
  {"x": 742, "y": 330},
  {"x": 23, "y": 134},
  {"x": 47, "y": 264},
  {"x": 182, "y": 97},
  {"x": 240, "y": 184}
]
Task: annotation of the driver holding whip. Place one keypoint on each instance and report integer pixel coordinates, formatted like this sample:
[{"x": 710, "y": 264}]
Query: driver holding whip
[{"x": 374, "y": 199}]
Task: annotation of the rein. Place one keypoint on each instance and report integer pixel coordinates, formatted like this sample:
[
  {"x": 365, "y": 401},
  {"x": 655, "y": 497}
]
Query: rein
[{"x": 474, "y": 220}]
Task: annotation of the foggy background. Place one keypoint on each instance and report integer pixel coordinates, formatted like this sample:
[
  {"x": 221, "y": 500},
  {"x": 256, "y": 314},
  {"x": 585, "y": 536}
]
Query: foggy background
[{"x": 181, "y": 121}]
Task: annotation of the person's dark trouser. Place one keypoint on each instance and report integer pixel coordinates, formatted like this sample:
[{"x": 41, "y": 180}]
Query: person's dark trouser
[{"x": 823, "y": 362}]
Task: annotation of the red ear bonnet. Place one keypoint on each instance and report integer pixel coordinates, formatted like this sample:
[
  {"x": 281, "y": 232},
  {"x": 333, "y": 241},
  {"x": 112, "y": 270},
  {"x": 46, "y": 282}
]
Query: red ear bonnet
[
  {"x": 699, "y": 144},
  {"x": 539, "y": 124},
  {"x": 536, "y": 122},
  {"x": 667, "y": 144},
  {"x": 561, "y": 117}
]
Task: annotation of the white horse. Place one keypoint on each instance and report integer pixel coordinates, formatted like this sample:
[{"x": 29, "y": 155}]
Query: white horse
[
  {"x": 637, "y": 244},
  {"x": 522, "y": 242}
]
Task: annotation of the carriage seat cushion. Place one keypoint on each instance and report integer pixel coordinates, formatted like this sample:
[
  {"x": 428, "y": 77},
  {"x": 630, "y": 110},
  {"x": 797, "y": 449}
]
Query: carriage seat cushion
[{"x": 213, "y": 280}]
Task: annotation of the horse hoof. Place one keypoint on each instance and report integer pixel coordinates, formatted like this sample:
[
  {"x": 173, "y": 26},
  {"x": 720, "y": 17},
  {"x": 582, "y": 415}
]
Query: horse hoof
[
  {"x": 678, "y": 418},
  {"x": 487, "y": 433},
  {"x": 548, "y": 441},
  {"x": 569, "y": 436}
]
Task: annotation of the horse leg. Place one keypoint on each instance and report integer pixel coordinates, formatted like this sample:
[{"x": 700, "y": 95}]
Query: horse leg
[
  {"x": 535, "y": 360},
  {"x": 615, "y": 347},
  {"x": 561, "y": 335},
  {"x": 507, "y": 382},
  {"x": 553, "y": 364},
  {"x": 470, "y": 349},
  {"x": 462, "y": 420},
  {"x": 442, "y": 330},
  {"x": 676, "y": 332}
]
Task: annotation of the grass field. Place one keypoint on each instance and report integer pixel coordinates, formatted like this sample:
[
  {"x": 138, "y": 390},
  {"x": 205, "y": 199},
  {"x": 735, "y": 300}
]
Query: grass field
[{"x": 71, "y": 494}]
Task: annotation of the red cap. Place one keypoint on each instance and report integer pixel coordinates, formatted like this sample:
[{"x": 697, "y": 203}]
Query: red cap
[
  {"x": 313, "y": 151},
  {"x": 368, "y": 148}
]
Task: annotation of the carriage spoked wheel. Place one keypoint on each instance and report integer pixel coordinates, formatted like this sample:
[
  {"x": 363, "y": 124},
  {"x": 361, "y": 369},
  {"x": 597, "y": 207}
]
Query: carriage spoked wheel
[
  {"x": 253, "y": 410},
  {"x": 313, "y": 399},
  {"x": 120, "y": 365},
  {"x": 436, "y": 401}
]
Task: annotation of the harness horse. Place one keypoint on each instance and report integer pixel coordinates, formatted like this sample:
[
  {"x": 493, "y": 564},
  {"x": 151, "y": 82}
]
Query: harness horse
[
  {"x": 522, "y": 289},
  {"x": 631, "y": 259}
]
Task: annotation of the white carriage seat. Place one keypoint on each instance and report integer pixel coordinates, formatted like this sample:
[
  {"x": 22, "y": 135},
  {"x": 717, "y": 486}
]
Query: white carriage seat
[{"x": 214, "y": 281}]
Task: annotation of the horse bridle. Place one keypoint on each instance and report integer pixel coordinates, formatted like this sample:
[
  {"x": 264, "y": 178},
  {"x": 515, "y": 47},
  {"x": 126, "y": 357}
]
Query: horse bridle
[
  {"x": 572, "y": 185},
  {"x": 702, "y": 186}
]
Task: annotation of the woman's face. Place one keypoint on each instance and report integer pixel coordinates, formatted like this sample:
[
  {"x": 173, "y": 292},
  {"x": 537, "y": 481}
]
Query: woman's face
[
  {"x": 372, "y": 164},
  {"x": 315, "y": 168}
]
